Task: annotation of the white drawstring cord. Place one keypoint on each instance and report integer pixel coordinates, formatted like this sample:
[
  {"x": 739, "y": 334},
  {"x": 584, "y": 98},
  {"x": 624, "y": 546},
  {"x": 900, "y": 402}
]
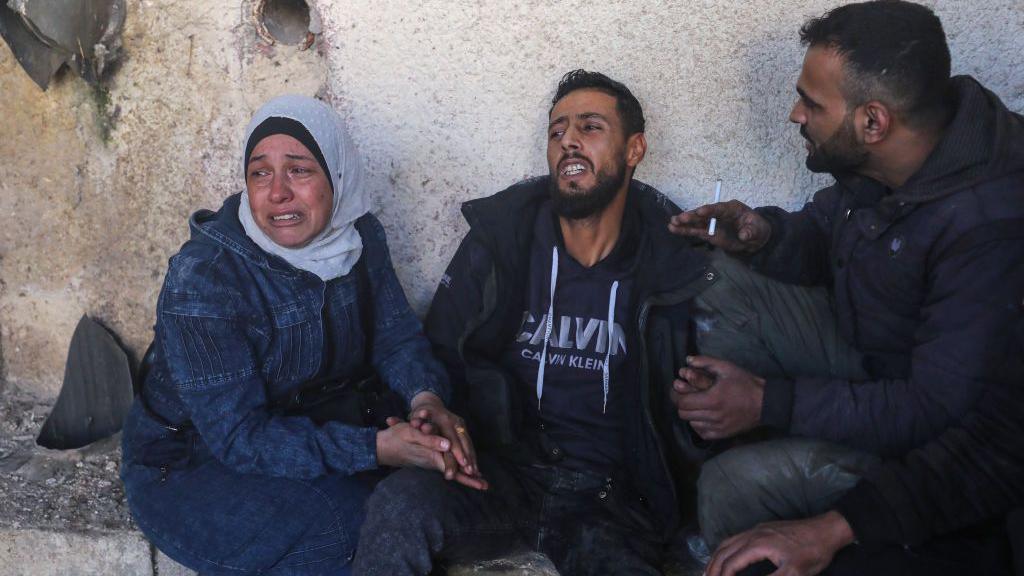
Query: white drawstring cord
[
  {"x": 606, "y": 374},
  {"x": 548, "y": 325}
]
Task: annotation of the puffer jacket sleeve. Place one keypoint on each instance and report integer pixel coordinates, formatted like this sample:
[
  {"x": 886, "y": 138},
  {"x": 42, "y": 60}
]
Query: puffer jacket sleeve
[
  {"x": 401, "y": 352},
  {"x": 798, "y": 250},
  {"x": 210, "y": 347},
  {"x": 966, "y": 318},
  {"x": 457, "y": 303},
  {"x": 972, "y": 473}
]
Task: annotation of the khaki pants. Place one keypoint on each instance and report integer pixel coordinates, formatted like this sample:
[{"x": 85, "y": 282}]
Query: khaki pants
[{"x": 773, "y": 330}]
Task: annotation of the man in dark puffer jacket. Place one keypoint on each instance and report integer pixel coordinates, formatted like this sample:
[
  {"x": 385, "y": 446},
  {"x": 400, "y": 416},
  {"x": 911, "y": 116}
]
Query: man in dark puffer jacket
[
  {"x": 561, "y": 319},
  {"x": 921, "y": 244}
]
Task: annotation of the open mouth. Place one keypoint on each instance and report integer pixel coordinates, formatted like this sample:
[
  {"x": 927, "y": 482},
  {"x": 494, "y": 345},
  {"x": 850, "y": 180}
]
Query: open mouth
[
  {"x": 572, "y": 167},
  {"x": 283, "y": 218}
]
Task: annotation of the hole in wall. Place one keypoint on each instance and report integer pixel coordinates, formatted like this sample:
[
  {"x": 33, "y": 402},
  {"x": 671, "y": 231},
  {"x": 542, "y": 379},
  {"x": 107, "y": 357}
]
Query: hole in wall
[{"x": 284, "y": 21}]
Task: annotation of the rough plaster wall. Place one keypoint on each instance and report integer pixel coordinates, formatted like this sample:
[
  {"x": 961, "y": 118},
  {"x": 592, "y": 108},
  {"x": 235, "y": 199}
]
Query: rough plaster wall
[
  {"x": 451, "y": 104},
  {"x": 447, "y": 102},
  {"x": 91, "y": 220}
]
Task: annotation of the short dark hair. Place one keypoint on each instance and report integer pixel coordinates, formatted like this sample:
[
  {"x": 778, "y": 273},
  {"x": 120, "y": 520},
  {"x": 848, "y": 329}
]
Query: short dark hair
[
  {"x": 628, "y": 107},
  {"x": 894, "y": 51}
]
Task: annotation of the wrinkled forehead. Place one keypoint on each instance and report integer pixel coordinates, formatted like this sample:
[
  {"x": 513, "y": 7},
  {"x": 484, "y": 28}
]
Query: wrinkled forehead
[
  {"x": 585, "y": 102},
  {"x": 285, "y": 143}
]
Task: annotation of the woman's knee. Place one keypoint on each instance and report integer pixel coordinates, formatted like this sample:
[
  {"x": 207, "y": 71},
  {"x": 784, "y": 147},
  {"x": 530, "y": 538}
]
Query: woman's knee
[{"x": 217, "y": 522}]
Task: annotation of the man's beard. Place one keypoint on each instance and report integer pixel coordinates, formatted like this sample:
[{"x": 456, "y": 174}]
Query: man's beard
[
  {"x": 578, "y": 203},
  {"x": 840, "y": 153}
]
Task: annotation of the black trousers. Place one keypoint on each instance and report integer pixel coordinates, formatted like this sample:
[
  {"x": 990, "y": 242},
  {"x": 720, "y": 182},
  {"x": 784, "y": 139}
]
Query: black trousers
[{"x": 584, "y": 523}]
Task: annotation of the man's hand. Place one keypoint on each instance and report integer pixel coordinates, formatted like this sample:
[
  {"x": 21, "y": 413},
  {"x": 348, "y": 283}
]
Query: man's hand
[
  {"x": 717, "y": 398},
  {"x": 739, "y": 227},
  {"x": 429, "y": 414},
  {"x": 797, "y": 548},
  {"x": 405, "y": 445}
]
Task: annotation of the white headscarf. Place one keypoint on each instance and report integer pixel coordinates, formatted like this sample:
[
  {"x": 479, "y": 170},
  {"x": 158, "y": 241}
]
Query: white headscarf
[{"x": 334, "y": 251}]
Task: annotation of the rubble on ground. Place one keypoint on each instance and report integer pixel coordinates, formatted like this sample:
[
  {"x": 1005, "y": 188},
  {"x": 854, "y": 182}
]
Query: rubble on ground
[{"x": 55, "y": 489}]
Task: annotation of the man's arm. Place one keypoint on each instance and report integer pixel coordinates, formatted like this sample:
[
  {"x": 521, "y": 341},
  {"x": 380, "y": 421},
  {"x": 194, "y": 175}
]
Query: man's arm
[
  {"x": 481, "y": 392},
  {"x": 457, "y": 303},
  {"x": 965, "y": 321},
  {"x": 792, "y": 247},
  {"x": 967, "y": 318},
  {"x": 972, "y": 473}
]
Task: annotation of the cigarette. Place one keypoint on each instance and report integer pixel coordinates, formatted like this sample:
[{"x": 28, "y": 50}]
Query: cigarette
[{"x": 718, "y": 196}]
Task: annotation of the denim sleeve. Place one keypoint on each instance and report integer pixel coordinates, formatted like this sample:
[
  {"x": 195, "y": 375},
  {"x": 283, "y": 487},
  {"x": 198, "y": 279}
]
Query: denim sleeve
[
  {"x": 211, "y": 354},
  {"x": 798, "y": 250},
  {"x": 401, "y": 352}
]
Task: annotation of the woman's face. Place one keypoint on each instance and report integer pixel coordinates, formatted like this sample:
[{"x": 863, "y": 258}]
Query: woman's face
[{"x": 289, "y": 194}]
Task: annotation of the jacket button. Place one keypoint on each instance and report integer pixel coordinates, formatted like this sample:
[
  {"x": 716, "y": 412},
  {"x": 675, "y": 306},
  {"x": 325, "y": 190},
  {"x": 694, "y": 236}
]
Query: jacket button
[
  {"x": 710, "y": 276},
  {"x": 602, "y": 494},
  {"x": 848, "y": 212},
  {"x": 556, "y": 451}
]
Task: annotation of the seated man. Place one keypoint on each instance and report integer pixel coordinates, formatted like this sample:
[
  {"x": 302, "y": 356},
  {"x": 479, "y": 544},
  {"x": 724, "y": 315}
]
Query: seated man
[
  {"x": 918, "y": 253},
  {"x": 562, "y": 331}
]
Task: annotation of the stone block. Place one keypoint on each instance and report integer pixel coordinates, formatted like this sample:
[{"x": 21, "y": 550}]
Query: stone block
[
  {"x": 31, "y": 552},
  {"x": 167, "y": 567}
]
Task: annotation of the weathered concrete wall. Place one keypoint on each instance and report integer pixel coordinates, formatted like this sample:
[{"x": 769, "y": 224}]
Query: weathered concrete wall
[
  {"x": 447, "y": 102},
  {"x": 97, "y": 187}
]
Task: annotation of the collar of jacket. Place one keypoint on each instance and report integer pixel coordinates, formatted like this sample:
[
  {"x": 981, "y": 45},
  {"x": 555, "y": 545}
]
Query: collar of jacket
[
  {"x": 982, "y": 142},
  {"x": 504, "y": 224},
  {"x": 223, "y": 228}
]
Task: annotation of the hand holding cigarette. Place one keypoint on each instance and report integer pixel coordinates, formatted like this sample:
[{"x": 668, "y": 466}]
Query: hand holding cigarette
[
  {"x": 732, "y": 226},
  {"x": 718, "y": 198}
]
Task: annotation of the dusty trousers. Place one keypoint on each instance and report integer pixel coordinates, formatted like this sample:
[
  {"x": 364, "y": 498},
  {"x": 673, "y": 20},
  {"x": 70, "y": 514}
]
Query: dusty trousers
[
  {"x": 585, "y": 523},
  {"x": 773, "y": 329}
]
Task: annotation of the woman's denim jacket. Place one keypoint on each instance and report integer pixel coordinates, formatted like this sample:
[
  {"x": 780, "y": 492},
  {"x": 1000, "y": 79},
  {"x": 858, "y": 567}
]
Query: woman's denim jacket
[{"x": 238, "y": 329}]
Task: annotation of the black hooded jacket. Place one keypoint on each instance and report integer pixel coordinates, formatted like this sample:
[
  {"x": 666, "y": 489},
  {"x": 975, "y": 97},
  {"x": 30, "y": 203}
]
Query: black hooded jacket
[
  {"x": 478, "y": 308},
  {"x": 929, "y": 284}
]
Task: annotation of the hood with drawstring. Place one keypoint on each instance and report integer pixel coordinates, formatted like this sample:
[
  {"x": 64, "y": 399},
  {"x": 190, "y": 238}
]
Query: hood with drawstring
[
  {"x": 478, "y": 311},
  {"x": 928, "y": 281}
]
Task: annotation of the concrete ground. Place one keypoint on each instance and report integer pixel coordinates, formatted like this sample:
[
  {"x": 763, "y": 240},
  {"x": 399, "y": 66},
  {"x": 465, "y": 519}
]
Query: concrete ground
[{"x": 63, "y": 512}]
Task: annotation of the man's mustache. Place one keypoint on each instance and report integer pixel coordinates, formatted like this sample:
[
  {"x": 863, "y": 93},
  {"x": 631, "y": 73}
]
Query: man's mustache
[{"x": 574, "y": 156}]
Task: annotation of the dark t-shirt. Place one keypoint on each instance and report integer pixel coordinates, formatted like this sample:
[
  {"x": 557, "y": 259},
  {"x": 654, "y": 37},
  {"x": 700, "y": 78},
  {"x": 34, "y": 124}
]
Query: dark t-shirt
[{"x": 573, "y": 413}]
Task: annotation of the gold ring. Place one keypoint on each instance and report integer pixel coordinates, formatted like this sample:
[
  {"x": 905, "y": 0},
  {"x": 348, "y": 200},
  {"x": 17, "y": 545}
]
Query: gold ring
[{"x": 460, "y": 430}]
